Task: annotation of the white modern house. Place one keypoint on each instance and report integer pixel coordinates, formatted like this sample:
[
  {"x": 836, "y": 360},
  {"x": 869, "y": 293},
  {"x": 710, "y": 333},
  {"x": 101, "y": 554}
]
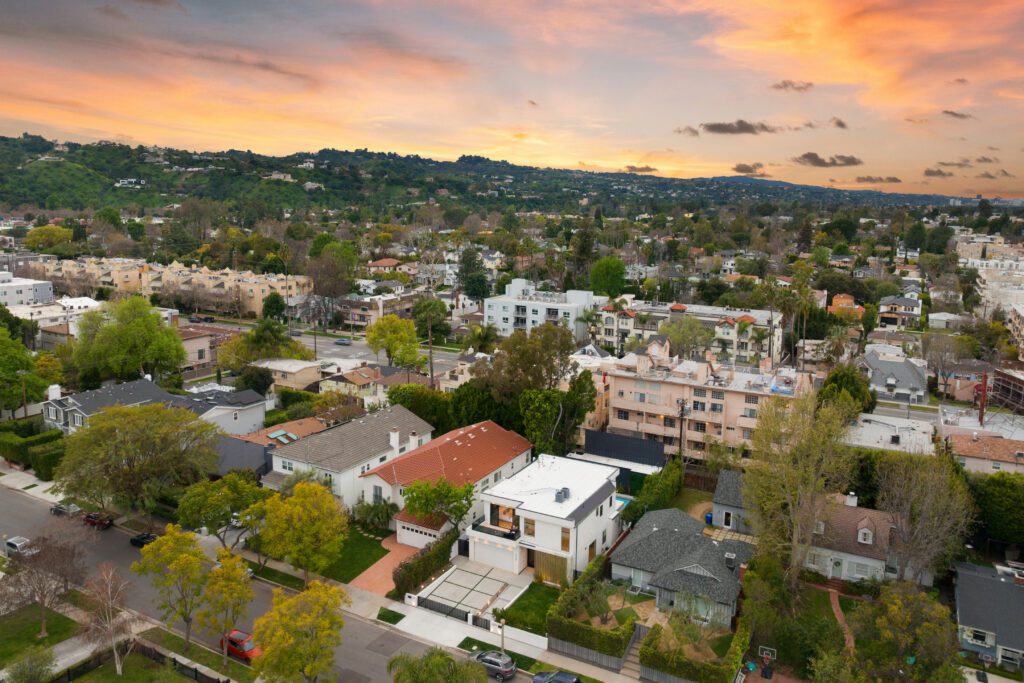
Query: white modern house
[
  {"x": 344, "y": 452},
  {"x": 523, "y": 307},
  {"x": 482, "y": 454},
  {"x": 554, "y": 516},
  {"x": 21, "y": 291}
]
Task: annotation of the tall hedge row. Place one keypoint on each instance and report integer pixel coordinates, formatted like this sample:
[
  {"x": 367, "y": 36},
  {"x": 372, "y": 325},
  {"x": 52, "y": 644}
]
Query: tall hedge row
[
  {"x": 660, "y": 489},
  {"x": 414, "y": 572},
  {"x": 563, "y": 624},
  {"x": 15, "y": 448},
  {"x": 44, "y": 458},
  {"x": 25, "y": 427}
]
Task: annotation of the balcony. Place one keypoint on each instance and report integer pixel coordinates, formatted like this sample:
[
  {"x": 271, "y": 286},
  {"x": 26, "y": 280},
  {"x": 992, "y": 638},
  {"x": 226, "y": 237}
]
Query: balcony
[{"x": 498, "y": 532}]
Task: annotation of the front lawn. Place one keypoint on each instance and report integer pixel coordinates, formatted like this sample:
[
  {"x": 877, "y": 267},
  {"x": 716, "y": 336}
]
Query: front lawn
[
  {"x": 359, "y": 552},
  {"x": 687, "y": 498},
  {"x": 720, "y": 645},
  {"x": 530, "y": 610},
  {"x": 198, "y": 653},
  {"x": 137, "y": 668},
  {"x": 389, "y": 616},
  {"x": 279, "y": 577},
  {"x": 18, "y": 631},
  {"x": 472, "y": 645}
]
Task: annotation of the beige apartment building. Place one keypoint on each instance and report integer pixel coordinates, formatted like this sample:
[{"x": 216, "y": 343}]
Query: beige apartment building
[
  {"x": 648, "y": 390},
  {"x": 227, "y": 291}
]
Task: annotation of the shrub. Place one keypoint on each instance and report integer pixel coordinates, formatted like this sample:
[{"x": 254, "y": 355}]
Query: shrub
[
  {"x": 44, "y": 458},
  {"x": 674, "y": 662},
  {"x": 869, "y": 587},
  {"x": 275, "y": 417},
  {"x": 289, "y": 397},
  {"x": 562, "y": 622},
  {"x": 658, "y": 492},
  {"x": 415, "y": 571},
  {"x": 25, "y": 427},
  {"x": 15, "y": 448}
]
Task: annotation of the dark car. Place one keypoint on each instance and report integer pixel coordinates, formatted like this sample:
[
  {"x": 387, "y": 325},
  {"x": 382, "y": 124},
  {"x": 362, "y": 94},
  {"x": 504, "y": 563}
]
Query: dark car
[
  {"x": 343, "y": 342},
  {"x": 498, "y": 664},
  {"x": 195, "y": 319},
  {"x": 65, "y": 509},
  {"x": 142, "y": 540},
  {"x": 100, "y": 520},
  {"x": 241, "y": 645},
  {"x": 295, "y": 333},
  {"x": 556, "y": 677},
  {"x": 208, "y": 319}
]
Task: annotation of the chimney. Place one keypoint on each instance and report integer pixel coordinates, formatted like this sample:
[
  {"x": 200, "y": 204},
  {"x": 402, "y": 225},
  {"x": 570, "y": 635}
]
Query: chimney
[
  {"x": 53, "y": 392},
  {"x": 730, "y": 560},
  {"x": 413, "y": 436},
  {"x": 394, "y": 438},
  {"x": 851, "y": 499},
  {"x": 974, "y": 436}
]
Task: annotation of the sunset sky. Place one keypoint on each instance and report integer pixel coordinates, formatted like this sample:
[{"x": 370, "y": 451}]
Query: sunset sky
[{"x": 899, "y": 95}]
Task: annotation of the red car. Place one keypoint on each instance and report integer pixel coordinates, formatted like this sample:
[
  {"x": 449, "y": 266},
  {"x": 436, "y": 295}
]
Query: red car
[
  {"x": 100, "y": 520},
  {"x": 241, "y": 645}
]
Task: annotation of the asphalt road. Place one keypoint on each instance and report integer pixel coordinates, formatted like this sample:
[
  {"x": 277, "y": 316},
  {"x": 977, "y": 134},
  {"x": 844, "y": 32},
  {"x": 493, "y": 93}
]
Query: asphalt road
[
  {"x": 361, "y": 658},
  {"x": 893, "y": 411}
]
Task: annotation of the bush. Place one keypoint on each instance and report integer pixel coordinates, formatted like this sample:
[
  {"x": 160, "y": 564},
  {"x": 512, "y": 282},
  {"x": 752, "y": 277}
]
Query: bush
[
  {"x": 45, "y": 458},
  {"x": 675, "y": 662},
  {"x": 275, "y": 417},
  {"x": 25, "y": 427},
  {"x": 289, "y": 397},
  {"x": 869, "y": 587},
  {"x": 658, "y": 492},
  {"x": 415, "y": 571},
  {"x": 15, "y": 448},
  {"x": 562, "y": 622}
]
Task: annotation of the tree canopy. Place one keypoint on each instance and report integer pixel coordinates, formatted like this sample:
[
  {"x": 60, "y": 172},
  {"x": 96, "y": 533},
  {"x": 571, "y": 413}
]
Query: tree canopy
[
  {"x": 424, "y": 499},
  {"x": 308, "y": 528},
  {"x": 608, "y": 276},
  {"x": 17, "y": 371},
  {"x": 267, "y": 339},
  {"x": 392, "y": 335}
]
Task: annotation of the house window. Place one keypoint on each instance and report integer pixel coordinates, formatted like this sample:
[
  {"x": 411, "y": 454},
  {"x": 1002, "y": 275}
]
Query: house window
[
  {"x": 718, "y": 395},
  {"x": 565, "y": 539},
  {"x": 640, "y": 397},
  {"x": 622, "y": 414},
  {"x": 865, "y": 536},
  {"x": 670, "y": 422},
  {"x": 402, "y": 449},
  {"x": 497, "y": 476},
  {"x": 52, "y": 412},
  {"x": 819, "y": 527},
  {"x": 700, "y": 427},
  {"x": 749, "y": 412},
  {"x": 529, "y": 527},
  {"x": 700, "y": 406},
  {"x": 202, "y": 354},
  {"x": 287, "y": 466},
  {"x": 382, "y": 458},
  {"x": 604, "y": 536},
  {"x": 752, "y": 400},
  {"x": 700, "y": 393},
  {"x": 716, "y": 407},
  {"x": 78, "y": 420},
  {"x": 861, "y": 570},
  {"x": 599, "y": 511},
  {"x": 748, "y": 434},
  {"x": 378, "y": 494},
  {"x": 996, "y": 466}
]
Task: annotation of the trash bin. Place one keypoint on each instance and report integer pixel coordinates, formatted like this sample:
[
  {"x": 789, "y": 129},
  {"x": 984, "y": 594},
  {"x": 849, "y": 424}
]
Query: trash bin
[{"x": 707, "y": 518}]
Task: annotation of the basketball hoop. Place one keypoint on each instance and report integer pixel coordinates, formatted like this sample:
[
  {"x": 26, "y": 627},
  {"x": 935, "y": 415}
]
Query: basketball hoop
[{"x": 766, "y": 654}]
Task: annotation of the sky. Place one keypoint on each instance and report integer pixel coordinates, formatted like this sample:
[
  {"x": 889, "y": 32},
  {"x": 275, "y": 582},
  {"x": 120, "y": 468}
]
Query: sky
[{"x": 897, "y": 95}]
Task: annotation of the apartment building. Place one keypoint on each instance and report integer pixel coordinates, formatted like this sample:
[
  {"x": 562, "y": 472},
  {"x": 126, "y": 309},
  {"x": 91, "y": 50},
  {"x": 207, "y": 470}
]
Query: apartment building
[
  {"x": 20, "y": 291},
  {"x": 1015, "y": 324},
  {"x": 660, "y": 397},
  {"x": 742, "y": 335},
  {"x": 359, "y": 312},
  {"x": 15, "y": 261},
  {"x": 1001, "y": 288},
  {"x": 228, "y": 291},
  {"x": 63, "y": 310},
  {"x": 523, "y": 307}
]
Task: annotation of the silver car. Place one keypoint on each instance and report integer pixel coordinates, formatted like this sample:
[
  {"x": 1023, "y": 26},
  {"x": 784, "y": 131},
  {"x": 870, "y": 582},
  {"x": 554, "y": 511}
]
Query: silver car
[{"x": 498, "y": 664}]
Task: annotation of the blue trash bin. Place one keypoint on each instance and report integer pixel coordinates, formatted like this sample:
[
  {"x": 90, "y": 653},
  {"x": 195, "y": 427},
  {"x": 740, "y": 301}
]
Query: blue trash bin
[{"x": 707, "y": 518}]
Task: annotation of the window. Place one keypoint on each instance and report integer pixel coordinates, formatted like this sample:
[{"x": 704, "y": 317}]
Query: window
[
  {"x": 700, "y": 406},
  {"x": 669, "y": 440},
  {"x": 819, "y": 527},
  {"x": 401, "y": 449},
  {"x": 749, "y": 412},
  {"x": 78, "y": 420},
  {"x": 329, "y": 478},
  {"x": 382, "y": 458},
  {"x": 378, "y": 494},
  {"x": 202, "y": 354},
  {"x": 497, "y": 476},
  {"x": 599, "y": 512},
  {"x": 717, "y": 408},
  {"x": 996, "y": 466},
  {"x": 700, "y": 393},
  {"x": 287, "y": 466},
  {"x": 718, "y": 395},
  {"x": 861, "y": 570},
  {"x": 529, "y": 527},
  {"x": 751, "y": 400},
  {"x": 234, "y": 415},
  {"x": 700, "y": 427},
  {"x": 622, "y": 414},
  {"x": 865, "y": 536},
  {"x": 565, "y": 539},
  {"x": 604, "y": 536},
  {"x": 610, "y": 499},
  {"x": 670, "y": 422},
  {"x": 748, "y": 434},
  {"x": 640, "y": 397}
]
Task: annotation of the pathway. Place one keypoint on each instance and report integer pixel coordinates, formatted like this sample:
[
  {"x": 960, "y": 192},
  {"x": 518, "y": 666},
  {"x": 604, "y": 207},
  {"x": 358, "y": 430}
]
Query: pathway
[
  {"x": 378, "y": 577},
  {"x": 837, "y": 609}
]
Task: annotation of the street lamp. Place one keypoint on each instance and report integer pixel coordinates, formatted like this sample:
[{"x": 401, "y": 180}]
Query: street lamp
[{"x": 502, "y": 622}]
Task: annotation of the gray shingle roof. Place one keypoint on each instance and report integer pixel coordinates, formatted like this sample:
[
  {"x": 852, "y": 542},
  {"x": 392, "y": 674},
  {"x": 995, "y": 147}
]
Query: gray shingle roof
[
  {"x": 349, "y": 444},
  {"x": 669, "y": 544},
  {"x": 236, "y": 454},
  {"x": 990, "y": 602},
  {"x": 907, "y": 374},
  {"x": 729, "y": 490},
  {"x": 137, "y": 392}
]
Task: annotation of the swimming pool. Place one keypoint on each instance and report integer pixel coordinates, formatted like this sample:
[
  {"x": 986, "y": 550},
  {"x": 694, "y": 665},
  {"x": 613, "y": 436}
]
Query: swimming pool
[{"x": 623, "y": 501}]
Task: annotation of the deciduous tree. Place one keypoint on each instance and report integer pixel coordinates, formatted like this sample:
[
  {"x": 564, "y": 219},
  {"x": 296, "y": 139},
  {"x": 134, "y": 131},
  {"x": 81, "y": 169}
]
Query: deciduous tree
[
  {"x": 425, "y": 499},
  {"x": 126, "y": 339},
  {"x": 436, "y": 664},
  {"x": 46, "y": 237},
  {"x": 686, "y": 336},
  {"x": 108, "y": 624},
  {"x": 226, "y": 597},
  {"x": 608, "y": 276},
  {"x": 174, "y": 563},
  {"x": 213, "y": 504},
  {"x": 19, "y": 383},
  {"x": 136, "y": 454},
  {"x": 553, "y": 417},
  {"x": 390, "y": 334},
  {"x": 274, "y": 306},
  {"x": 307, "y": 528},
  {"x": 299, "y": 634},
  {"x": 1000, "y": 499}
]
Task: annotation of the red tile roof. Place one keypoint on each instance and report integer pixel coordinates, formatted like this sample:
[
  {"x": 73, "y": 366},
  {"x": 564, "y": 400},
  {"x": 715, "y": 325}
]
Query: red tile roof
[
  {"x": 302, "y": 427},
  {"x": 747, "y": 319},
  {"x": 677, "y": 307},
  {"x": 384, "y": 263},
  {"x": 987, "y": 448},
  {"x": 434, "y": 522},
  {"x": 462, "y": 456}
]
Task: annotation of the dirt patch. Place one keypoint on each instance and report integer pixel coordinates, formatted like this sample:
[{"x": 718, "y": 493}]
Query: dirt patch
[{"x": 700, "y": 509}]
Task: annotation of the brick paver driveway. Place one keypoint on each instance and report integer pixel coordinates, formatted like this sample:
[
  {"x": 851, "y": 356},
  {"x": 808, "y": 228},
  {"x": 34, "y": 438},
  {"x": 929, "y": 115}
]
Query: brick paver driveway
[{"x": 377, "y": 578}]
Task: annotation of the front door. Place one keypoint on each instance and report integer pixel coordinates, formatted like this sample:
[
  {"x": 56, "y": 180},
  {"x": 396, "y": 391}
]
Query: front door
[
  {"x": 530, "y": 557},
  {"x": 592, "y": 551},
  {"x": 727, "y": 520},
  {"x": 837, "y": 569}
]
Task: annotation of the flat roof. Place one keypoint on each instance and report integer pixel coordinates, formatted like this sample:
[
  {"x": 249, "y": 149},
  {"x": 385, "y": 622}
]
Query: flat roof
[
  {"x": 877, "y": 431},
  {"x": 534, "y": 486}
]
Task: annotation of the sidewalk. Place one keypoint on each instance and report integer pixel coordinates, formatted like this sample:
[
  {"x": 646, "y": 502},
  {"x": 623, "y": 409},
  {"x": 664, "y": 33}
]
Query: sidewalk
[{"x": 18, "y": 480}]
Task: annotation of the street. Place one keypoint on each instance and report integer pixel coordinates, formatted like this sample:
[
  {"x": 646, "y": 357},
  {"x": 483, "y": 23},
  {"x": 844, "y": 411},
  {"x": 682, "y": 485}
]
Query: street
[{"x": 361, "y": 658}]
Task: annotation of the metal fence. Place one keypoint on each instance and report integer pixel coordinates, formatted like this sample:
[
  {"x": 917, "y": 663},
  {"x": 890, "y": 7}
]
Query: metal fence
[
  {"x": 146, "y": 650},
  {"x": 594, "y": 657},
  {"x": 481, "y": 622},
  {"x": 441, "y": 608}
]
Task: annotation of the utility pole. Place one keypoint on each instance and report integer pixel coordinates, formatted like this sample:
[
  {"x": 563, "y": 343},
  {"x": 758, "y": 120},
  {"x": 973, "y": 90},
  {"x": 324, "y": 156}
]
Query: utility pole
[
  {"x": 430, "y": 345},
  {"x": 683, "y": 412}
]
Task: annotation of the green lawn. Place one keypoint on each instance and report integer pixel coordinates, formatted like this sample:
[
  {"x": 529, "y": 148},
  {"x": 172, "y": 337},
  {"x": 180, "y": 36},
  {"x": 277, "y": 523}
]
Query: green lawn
[
  {"x": 389, "y": 616},
  {"x": 18, "y": 630},
  {"x": 522, "y": 661},
  {"x": 529, "y": 611},
  {"x": 623, "y": 615},
  {"x": 137, "y": 668},
  {"x": 271, "y": 574},
  {"x": 687, "y": 498},
  {"x": 816, "y": 602},
  {"x": 200, "y": 654},
  {"x": 848, "y": 605},
  {"x": 30, "y": 486},
  {"x": 720, "y": 645},
  {"x": 358, "y": 553},
  {"x": 544, "y": 666}
]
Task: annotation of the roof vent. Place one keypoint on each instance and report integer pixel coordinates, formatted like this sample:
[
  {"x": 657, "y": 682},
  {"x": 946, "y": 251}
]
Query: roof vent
[
  {"x": 559, "y": 496},
  {"x": 895, "y": 439},
  {"x": 730, "y": 560},
  {"x": 565, "y": 492}
]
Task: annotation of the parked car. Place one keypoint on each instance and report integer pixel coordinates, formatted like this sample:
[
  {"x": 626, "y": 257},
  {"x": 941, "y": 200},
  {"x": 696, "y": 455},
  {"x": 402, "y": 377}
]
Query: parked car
[
  {"x": 65, "y": 509},
  {"x": 556, "y": 677},
  {"x": 100, "y": 520},
  {"x": 195, "y": 319},
  {"x": 498, "y": 664},
  {"x": 208, "y": 319},
  {"x": 343, "y": 341},
  {"x": 248, "y": 569},
  {"x": 142, "y": 540},
  {"x": 295, "y": 333},
  {"x": 241, "y": 645},
  {"x": 19, "y": 545}
]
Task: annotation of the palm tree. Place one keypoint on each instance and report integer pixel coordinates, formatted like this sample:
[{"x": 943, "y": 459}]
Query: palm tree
[
  {"x": 481, "y": 338},
  {"x": 592, "y": 319},
  {"x": 436, "y": 664}
]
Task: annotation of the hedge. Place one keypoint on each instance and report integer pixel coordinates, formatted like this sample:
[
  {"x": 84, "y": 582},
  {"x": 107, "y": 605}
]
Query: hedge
[
  {"x": 44, "y": 458},
  {"x": 15, "y": 448},
  {"x": 25, "y": 427},
  {"x": 414, "y": 572},
  {"x": 289, "y": 397},
  {"x": 658, "y": 492},
  {"x": 563, "y": 625},
  {"x": 676, "y": 664}
]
